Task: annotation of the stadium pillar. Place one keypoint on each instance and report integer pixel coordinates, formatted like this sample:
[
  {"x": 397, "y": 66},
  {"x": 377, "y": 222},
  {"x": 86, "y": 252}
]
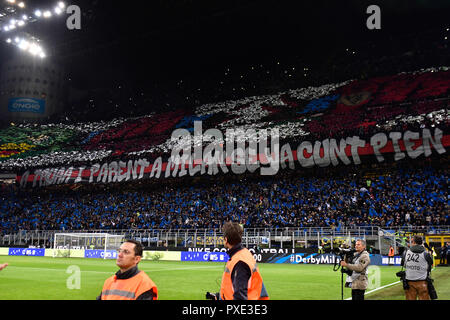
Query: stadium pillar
[
  {"x": 195, "y": 238},
  {"x": 293, "y": 240},
  {"x": 246, "y": 239},
  {"x": 306, "y": 241},
  {"x": 318, "y": 239},
  {"x": 281, "y": 240},
  {"x": 379, "y": 240},
  {"x": 204, "y": 239},
  {"x": 270, "y": 241},
  {"x": 257, "y": 240},
  {"x": 395, "y": 244},
  {"x": 167, "y": 239}
]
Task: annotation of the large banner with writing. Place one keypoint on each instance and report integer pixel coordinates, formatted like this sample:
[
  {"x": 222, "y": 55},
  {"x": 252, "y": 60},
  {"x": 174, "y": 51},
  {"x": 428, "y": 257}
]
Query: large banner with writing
[{"x": 406, "y": 145}]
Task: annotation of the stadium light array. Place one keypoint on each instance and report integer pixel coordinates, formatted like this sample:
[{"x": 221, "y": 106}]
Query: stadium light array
[
  {"x": 21, "y": 21},
  {"x": 20, "y": 4},
  {"x": 16, "y": 19},
  {"x": 57, "y": 9},
  {"x": 28, "y": 45}
]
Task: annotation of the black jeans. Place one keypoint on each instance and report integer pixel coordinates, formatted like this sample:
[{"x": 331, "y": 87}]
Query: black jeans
[{"x": 358, "y": 294}]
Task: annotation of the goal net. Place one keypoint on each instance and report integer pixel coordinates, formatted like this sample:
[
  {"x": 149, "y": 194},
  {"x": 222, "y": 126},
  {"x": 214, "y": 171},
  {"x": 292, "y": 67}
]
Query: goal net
[{"x": 95, "y": 245}]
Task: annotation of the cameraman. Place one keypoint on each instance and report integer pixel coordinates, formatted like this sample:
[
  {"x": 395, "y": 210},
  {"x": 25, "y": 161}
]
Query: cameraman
[
  {"x": 417, "y": 263},
  {"x": 360, "y": 262}
]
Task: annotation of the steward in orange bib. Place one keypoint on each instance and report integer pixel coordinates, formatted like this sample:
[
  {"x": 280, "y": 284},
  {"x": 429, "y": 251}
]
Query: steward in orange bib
[
  {"x": 241, "y": 279},
  {"x": 391, "y": 252},
  {"x": 129, "y": 283}
]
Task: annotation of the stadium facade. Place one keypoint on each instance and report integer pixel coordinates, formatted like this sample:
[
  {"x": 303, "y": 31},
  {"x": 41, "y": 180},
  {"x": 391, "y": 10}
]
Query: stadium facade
[{"x": 31, "y": 89}]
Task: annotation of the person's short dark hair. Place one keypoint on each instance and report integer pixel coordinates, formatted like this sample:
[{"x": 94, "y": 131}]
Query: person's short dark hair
[
  {"x": 418, "y": 240},
  {"x": 138, "y": 249},
  {"x": 233, "y": 232}
]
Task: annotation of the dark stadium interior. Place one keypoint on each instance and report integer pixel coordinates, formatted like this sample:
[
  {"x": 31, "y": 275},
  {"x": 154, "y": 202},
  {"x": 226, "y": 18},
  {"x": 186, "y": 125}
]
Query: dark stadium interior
[
  {"x": 177, "y": 60},
  {"x": 164, "y": 54}
]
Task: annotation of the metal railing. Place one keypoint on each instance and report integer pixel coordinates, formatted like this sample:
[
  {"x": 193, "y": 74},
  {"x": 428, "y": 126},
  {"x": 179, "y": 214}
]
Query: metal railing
[{"x": 288, "y": 237}]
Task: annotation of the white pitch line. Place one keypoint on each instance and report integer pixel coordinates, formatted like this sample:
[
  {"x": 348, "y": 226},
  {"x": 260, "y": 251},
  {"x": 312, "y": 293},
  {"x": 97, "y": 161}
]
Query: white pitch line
[
  {"x": 379, "y": 288},
  {"x": 388, "y": 285}
]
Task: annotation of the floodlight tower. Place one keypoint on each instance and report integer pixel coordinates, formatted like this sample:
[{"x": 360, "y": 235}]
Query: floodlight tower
[{"x": 32, "y": 86}]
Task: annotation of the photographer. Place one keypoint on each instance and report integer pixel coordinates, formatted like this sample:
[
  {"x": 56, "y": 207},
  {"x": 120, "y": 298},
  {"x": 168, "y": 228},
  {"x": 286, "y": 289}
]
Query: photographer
[
  {"x": 358, "y": 265},
  {"x": 417, "y": 263}
]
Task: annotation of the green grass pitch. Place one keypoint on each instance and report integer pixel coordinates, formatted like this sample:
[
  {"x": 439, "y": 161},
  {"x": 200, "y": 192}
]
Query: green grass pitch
[{"x": 38, "y": 278}]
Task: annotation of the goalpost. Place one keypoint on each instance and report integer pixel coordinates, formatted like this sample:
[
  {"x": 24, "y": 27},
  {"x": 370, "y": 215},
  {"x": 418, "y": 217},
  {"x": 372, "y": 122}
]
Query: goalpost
[{"x": 64, "y": 244}]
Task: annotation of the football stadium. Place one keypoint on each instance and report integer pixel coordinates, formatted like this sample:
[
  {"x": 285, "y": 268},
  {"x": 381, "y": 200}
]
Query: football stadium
[{"x": 208, "y": 150}]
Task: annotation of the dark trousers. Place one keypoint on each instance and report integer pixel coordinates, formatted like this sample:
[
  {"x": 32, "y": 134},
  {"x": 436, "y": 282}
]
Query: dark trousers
[{"x": 358, "y": 294}]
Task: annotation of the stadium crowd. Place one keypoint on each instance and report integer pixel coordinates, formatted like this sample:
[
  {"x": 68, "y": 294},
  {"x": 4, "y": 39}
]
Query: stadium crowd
[
  {"x": 406, "y": 93},
  {"x": 404, "y": 197}
]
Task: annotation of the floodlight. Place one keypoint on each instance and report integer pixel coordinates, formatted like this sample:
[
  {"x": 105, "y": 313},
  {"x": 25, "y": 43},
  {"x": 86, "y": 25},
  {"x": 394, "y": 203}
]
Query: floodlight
[
  {"x": 38, "y": 13},
  {"x": 24, "y": 44},
  {"x": 34, "y": 49},
  {"x": 47, "y": 14}
]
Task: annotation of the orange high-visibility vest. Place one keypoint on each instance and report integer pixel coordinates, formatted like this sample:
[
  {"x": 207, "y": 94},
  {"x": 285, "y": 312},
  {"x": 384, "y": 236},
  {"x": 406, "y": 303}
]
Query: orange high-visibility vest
[
  {"x": 128, "y": 289},
  {"x": 391, "y": 252},
  {"x": 256, "y": 288}
]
